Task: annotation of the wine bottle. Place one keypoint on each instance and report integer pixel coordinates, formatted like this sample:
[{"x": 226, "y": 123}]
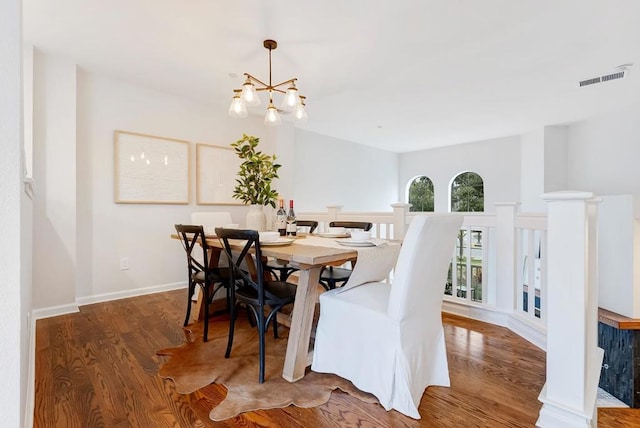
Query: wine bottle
[
  {"x": 281, "y": 219},
  {"x": 292, "y": 225}
]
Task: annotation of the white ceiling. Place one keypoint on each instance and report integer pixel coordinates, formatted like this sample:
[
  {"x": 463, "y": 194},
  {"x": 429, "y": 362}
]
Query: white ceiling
[{"x": 399, "y": 75}]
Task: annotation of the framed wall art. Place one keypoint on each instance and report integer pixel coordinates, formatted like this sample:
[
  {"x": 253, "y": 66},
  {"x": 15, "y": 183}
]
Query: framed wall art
[
  {"x": 150, "y": 170},
  {"x": 216, "y": 171}
]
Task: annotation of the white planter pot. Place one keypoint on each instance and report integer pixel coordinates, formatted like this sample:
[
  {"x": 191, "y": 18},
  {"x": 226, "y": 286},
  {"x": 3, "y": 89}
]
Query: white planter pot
[{"x": 256, "y": 218}]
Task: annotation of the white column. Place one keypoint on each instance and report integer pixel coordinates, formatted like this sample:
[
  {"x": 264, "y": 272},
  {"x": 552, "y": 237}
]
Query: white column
[
  {"x": 400, "y": 211},
  {"x": 573, "y": 358},
  {"x": 506, "y": 255}
]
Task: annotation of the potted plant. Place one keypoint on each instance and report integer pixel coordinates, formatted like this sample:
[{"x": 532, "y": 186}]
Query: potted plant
[{"x": 256, "y": 173}]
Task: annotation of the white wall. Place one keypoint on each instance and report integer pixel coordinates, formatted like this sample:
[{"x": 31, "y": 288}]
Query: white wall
[
  {"x": 555, "y": 158},
  {"x": 532, "y": 171},
  {"x": 54, "y": 137},
  {"x": 330, "y": 171},
  {"x": 110, "y": 231},
  {"x": 86, "y": 233},
  {"x": 14, "y": 292},
  {"x": 543, "y": 166},
  {"x": 497, "y": 161},
  {"x": 618, "y": 255},
  {"x": 604, "y": 152}
]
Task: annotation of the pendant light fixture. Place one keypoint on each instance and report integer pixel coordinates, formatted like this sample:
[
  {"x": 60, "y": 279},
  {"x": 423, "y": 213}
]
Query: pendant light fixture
[{"x": 292, "y": 101}]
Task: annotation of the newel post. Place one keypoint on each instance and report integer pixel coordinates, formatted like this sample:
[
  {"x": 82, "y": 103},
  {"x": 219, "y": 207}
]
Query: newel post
[
  {"x": 573, "y": 356},
  {"x": 400, "y": 211},
  {"x": 506, "y": 255}
]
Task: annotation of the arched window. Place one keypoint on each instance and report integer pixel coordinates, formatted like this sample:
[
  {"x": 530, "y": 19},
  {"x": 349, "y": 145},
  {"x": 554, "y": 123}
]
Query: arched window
[
  {"x": 465, "y": 279},
  {"x": 420, "y": 194},
  {"x": 467, "y": 193}
]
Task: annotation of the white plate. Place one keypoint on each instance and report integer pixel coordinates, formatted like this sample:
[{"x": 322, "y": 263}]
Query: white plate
[
  {"x": 352, "y": 243},
  {"x": 280, "y": 241},
  {"x": 333, "y": 235}
]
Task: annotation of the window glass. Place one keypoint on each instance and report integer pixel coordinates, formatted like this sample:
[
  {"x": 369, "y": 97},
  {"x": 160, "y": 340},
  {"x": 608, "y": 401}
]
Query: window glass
[
  {"x": 420, "y": 194},
  {"x": 467, "y": 193}
]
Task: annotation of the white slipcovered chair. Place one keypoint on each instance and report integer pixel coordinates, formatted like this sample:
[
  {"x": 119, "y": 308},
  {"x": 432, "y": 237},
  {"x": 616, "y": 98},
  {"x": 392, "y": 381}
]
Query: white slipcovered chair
[{"x": 388, "y": 339}]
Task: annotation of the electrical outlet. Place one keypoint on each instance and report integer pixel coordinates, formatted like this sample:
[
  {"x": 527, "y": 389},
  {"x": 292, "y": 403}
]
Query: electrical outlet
[{"x": 124, "y": 263}]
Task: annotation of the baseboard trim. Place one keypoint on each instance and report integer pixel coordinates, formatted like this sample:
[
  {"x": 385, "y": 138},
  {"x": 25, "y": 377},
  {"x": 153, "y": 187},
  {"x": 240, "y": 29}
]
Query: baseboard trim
[
  {"x": 528, "y": 330},
  {"x": 54, "y": 311},
  {"x": 479, "y": 313},
  {"x": 517, "y": 324},
  {"x": 30, "y": 393},
  {"x": 107, "y": 297}
]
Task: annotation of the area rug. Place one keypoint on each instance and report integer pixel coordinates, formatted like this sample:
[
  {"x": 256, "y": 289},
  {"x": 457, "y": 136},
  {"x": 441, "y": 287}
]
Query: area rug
[{"x": 196, "y": 364}]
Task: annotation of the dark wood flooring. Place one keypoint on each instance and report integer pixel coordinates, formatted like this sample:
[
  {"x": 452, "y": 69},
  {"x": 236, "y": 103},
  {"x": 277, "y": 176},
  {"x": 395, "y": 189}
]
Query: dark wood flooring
[{"x": 98, "y": 368}]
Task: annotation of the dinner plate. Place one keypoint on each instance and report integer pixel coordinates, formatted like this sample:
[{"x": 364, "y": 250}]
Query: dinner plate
[
  {"x": 280, "y": 241},
  {"x": 333, "y": 235},
  {"x": 352, "y": 243}
]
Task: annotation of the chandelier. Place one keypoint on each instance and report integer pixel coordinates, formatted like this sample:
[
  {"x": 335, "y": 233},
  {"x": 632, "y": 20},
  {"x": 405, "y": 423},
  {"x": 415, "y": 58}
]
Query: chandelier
[{"x": 248, "y": 96}]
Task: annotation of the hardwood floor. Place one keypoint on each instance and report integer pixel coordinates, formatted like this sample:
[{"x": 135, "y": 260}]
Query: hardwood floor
[{"x": 98, "y": 368}]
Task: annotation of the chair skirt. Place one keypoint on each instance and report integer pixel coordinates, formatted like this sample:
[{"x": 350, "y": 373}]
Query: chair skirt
[{"x": 358, "y": 341}]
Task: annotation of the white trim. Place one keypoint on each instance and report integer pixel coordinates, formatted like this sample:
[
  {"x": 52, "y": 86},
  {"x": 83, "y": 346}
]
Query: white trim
[
  {"x": 30, "y": 400},
  {"x": 54, "y": 311},
  {"x": 106, "y": 297},
  {"x": 557, "y": 414},
  {"x": 519, "y": 325},
  {"x": 523, "y": 327},
  {"x": 553, "y": 416},
  {"x": 476, "y": 312}
]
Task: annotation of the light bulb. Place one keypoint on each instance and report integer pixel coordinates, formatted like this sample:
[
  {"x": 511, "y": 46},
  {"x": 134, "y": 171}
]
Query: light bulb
[
  {"x": 249, "y": 94},
  {"x": 291, "y": 98},
  {"x": 300, "y": 114},
  {"x": 272, "y": 117},
  {"x": 238, "y": 108}
]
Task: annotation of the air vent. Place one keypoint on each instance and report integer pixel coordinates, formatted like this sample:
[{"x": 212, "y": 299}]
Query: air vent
[
  {"x": 590, "y": 81},
  {"x": 621, "y": 71},
  {"x": 618, "y": 75}
]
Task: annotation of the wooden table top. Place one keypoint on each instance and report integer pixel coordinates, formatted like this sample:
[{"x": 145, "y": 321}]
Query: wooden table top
[{"x": 304, "y": 255}]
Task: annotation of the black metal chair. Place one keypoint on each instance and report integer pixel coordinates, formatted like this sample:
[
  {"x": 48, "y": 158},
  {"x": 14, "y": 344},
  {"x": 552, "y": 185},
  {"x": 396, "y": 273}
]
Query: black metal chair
[
  {"x": 256, "y": 293},
  {"x": 201, "y": 272},
  {"x": 332, "y": 277},
  {"x": 282, "y": 270}
]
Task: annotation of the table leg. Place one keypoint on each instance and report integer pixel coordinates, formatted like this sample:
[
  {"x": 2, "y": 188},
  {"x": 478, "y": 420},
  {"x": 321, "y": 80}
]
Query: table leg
[{"x": 295, "y": 361}]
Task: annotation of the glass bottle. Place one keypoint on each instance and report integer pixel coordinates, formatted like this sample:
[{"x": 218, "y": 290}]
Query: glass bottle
[
  {"x": 292, "y": 225},
  {"x": 281, "y": 219}
]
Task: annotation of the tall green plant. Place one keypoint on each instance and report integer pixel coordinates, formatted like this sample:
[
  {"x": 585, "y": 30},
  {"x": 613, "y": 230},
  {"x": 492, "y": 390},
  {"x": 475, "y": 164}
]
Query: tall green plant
[{"x": 256, "y": 173}]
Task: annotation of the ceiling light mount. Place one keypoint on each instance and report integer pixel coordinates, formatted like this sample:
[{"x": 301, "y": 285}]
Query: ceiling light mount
[
  {"x": 270, "y": 44},
  {"x": 248, "y": 95}
]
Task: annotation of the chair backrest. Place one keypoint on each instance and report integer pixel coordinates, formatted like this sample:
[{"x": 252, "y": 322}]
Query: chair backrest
[
  {"x": 210, "y": 220},
  {"x": 195, "y": 245},
  {"x": 247, "y": 239},
  {"x": 366, "y": 226},
  {"x": 311, "y": 224},
  {"x": 421, "y": 270}
]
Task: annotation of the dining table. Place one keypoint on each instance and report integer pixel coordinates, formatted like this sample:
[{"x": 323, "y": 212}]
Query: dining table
[{"x": 309, "y": 259}]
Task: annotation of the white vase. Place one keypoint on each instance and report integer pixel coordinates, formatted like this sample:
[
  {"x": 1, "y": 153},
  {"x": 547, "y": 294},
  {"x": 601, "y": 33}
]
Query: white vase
[{"x": 256, "y": 218}]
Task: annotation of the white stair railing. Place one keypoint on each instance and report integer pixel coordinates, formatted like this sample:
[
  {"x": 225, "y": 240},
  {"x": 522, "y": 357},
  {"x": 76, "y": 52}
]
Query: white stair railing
[
  {"x": 539, "y": 278},
  {"x": 503, "y": 253}
]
